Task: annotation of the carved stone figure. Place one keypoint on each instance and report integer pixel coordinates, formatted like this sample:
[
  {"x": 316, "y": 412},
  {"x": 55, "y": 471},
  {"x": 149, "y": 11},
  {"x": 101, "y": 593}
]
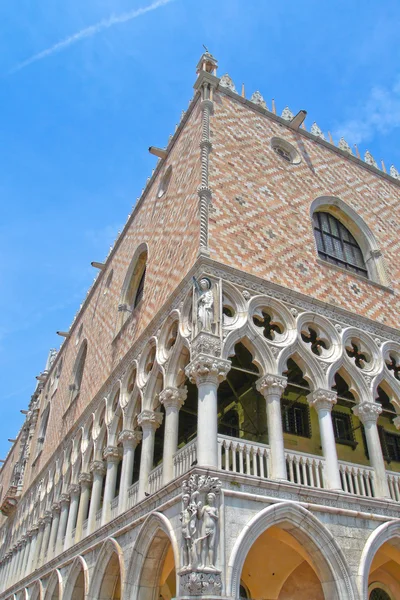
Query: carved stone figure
[
  {"x": 208, "y": 515},
  {"x": 205, "y": 305},
  {"x": 188, "y": 520}
]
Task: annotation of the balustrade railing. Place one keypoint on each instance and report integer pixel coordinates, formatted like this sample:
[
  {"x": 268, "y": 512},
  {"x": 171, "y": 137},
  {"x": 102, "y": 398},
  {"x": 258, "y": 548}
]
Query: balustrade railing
[
  {"x": 305, "y": 469},
  {"x": 155, "y": 479},
  {"x": 185, "y": 458},
  {"x": 114, "y": 507},
  {"x": 357, "y": 479},
  {"x": 84, "y": 528},
  {"x": 133, "y": 494},
  {"x": 98, "y": 518},
  {"x": 394, "y": 485},
  {"x": 241, "y": 456}
]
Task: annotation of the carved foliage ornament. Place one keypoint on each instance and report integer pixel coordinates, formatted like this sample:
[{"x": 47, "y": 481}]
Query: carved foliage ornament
[
  {"x": 367, "y": 412},
  {"x": 205, "y": 368}
]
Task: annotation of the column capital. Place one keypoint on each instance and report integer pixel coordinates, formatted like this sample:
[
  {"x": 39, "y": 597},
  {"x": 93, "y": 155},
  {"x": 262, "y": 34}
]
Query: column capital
[
  {"x": 74, "y": 489},
  {"x": 48, "y": 517},
  {"x": 149, "y": 419},
  {"x": 367, "y": 412},
  {"x": 85, "y": 479},
  {"x": 64, "y": 499},
  {"x": 41, "y": 523},
  {"x": 396, "y": 422},
  {"x": 172, "y": 397},
  {"x": 55, "y": 507},
  {"x": 322, "y": 399},
  {"x": 112, "y": 454},
  {"x": 207, "y": 369},
  {"x": 97, "y": 466},
  {"x": 33, "y": 530},
  {"x": 129, "y": 437},
  {"x": 271, "y": 385}
]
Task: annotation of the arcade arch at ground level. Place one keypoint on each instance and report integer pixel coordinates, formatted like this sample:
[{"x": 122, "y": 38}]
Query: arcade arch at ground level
[
  {"x": 380, "y": 563},
  {"x": 284, "y": 545}
]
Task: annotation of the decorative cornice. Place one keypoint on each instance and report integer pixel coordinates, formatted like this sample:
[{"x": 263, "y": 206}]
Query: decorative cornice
[
  {"x": 322, "y": 399},
  {"x": 207, "y": 369},
  {"x": 271, "y": 385},
  {"x": 173, "y": 397},
  {"x": 367, "y": 412}
]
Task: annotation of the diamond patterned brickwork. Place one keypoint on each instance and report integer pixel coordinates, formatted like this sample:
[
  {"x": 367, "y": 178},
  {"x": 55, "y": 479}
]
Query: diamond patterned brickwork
[
  {"x": 269, "y": 232},
  {"x": 170, "y": 227}
]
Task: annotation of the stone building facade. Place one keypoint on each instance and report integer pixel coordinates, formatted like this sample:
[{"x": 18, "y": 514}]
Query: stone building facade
[{"x": 221, "y": 420}]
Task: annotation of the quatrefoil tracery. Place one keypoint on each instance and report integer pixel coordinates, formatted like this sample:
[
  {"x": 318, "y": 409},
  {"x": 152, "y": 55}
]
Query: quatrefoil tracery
[
  {"x": 393, "y": 364},
  {"x": 317, "y": 341},
  {"x": 271, "y": 328},
  {"x": 360, "y": 357}
]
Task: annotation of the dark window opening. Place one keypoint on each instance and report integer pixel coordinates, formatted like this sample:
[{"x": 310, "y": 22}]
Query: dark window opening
[
  {"x": 343, "y": 429},
  {"x": 140, "y": 289},
  {"x": 295, "y": 418},
  {"x": 316, "y": 344},
  {"x": 269, "y": 327},
  {"x": 379, "y": 594},
  {"x": 336, "y": 245},
  {"x": 384, "y": 401}
]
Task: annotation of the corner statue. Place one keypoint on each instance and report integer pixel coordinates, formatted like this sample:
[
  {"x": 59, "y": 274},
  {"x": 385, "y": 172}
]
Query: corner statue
[{"x": 205, "y": 304}]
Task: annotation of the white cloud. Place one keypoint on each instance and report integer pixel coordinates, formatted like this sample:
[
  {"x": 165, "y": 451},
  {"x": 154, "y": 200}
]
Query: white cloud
[
  {"x": 91, "y": 31},
  {"x": 379, "y": 114}
]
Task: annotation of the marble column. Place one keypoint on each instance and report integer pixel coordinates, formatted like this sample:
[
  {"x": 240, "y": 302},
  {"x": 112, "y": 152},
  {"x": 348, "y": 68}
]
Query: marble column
[
  {"x": 27, "y": 553},
  {"x": 62, "y": 526},
  {"x": 112, "y": 456},
  {"x": 98, "y": 470},
  {"x": 24, "y": 541},
  {"x": 272, "y": 388},
  {"x": 129, "y": 440},
  {"x": 173, "y": 400},
  {"x": 149, "y": 421},
  {"x": 55, "y": 510},
  {"x": 85, "y": 481},
  {"x": 207, "y": 372},
  {"x": 46, "y": 535},
  {"x": 74, "y": 493},
  {"x": 368, "y": 413},
  {"x": 16, "y": 550},
  {"x": 323, "y": 402},
  {"x": 33, "y": 532}
]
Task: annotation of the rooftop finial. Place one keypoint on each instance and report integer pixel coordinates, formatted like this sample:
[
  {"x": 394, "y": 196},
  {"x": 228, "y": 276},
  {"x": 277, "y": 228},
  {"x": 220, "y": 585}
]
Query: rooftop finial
[{"x": 207, "y": 63}]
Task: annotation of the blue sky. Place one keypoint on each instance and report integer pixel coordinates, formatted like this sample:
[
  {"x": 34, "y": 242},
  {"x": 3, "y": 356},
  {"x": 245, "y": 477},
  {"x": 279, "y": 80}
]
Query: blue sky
[{"x": 88, "y": 86}]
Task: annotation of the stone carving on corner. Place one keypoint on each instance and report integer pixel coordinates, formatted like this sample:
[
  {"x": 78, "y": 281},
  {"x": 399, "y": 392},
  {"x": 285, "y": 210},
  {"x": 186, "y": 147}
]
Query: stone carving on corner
[
  {"x": 369, "y": 159},
  {"x": 287, "y": 114},
  {"x": 206, "y": 301},
  {"x": 394, "y": 172},
  {"x": 315, "y": 130},
  {"x": 200, "y": 529},
  {"x": 343, "y": 145}
]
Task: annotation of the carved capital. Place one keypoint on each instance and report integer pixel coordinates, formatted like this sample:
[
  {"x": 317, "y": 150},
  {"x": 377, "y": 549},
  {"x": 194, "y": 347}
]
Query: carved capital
[
  {"x": 97, "y": 466},
  {"x": 112, "y": 454},
  {"x": 48, "y": 517},
  {"x": 271, "y": 385},
  {"x": 85, "y": 479},
  {"x": 367, "y": 412},
  {"x": 322, "y": 399},
  {"x": 64, "y": 499},
  {"x": 55, "y": 507},
  {"x": 74, "y": 489},
  {"x": 173, "y": 397},
  {"x": 204, "y": 192},
  {"x": 396, "y": 422},
  {"x": 206, "y": 343},
  {"x": 149, "y": 419},
  {"x": 130, "y": 438},
  {"x": 205, "y": 144},
  {"x": 207, "y": 369}
]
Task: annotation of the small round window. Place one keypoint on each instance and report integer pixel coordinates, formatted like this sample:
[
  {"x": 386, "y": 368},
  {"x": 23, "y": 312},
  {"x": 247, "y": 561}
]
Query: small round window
[
  {"x": 164, "y": 182},
  {"x": 285, "y": 150}
]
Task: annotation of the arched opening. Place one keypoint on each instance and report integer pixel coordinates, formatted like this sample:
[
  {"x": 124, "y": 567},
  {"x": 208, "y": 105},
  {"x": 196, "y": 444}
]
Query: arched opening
[
  {"x": 77, "y": 374},
  {"x": 134, "y": 284},
  {"x": 389, "y": 436},
  {"x": 277, "y": 562},
  {"x": 384, "y": 575},
  {"x": 77, "y": 582},
  {"x": 285, "y": 552},
  {"x": 110, "y": 588},
  {"x": 78, "y": 593}
]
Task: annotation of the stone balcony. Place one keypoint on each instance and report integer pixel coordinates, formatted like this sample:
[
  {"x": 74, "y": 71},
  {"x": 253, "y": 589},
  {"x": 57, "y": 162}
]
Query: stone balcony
[{"x": 9, "y": 501}]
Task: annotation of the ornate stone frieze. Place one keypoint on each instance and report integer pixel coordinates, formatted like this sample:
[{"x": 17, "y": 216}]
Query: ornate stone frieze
[
  {"x": 322, "y": 399},
  {"x": 150, "y": 419},
  {"x": 200, "y": 536},
  {"x": 271, "y": 385},
  {"x": 207, "y": 369},
  {"x": 258, "y": 99},
  {"x": 367, "y": 412},
  {"x": 173, "y": 397},
  {"x": 132, "y": 437}
]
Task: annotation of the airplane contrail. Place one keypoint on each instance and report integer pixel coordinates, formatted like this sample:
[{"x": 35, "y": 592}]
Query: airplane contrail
[{"x": 89, "y": 32}]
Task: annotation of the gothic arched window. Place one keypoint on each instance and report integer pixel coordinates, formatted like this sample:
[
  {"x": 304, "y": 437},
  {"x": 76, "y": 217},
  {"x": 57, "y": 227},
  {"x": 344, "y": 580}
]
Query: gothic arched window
[
  {"x": 77, "y": 374},
  {"x": 133, "y": 288},
  {"x": 336, "y": 244}
]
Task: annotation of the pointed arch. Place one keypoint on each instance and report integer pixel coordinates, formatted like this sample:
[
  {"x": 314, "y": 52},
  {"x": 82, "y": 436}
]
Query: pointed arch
[
  {"x": 109, "y": 550},
  {"x": 35, "y": 591},
  {"x": 133, "y": 286},
  {"x": 77, "y": 372},
  {"x": 359, "y": 230},
  {"x": 312, "y": 371},
  {"x": 153, "y": 387},
  {"x": 180, "y": 358},
  {"x": 387, "y": 532},
  {"x": 147, "y": 557},
  {"x": 390, "y": 386},
  {"x": 330, "y": 563},
  {"x": 54, "y": 586},
  {"x": 352, "y": 376},
  {"x": 255, "y": 344},
  {"x": 78, "y": 567}
]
